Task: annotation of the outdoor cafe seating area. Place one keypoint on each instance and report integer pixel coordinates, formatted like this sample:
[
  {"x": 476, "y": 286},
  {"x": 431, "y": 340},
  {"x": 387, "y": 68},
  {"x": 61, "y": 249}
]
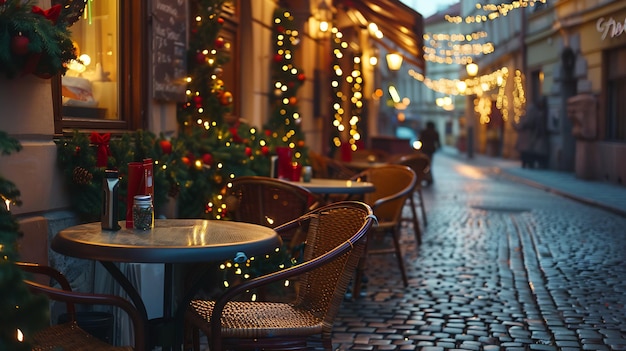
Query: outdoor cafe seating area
[{"x": 326, "y": 228}]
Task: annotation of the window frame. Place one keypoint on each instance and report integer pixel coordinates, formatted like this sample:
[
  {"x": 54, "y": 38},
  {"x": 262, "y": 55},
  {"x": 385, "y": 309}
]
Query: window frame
[{"x": 133, "y": 85}]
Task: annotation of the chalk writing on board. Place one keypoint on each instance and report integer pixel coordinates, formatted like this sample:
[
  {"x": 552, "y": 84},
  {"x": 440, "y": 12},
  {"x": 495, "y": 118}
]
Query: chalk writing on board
[{"x": 169, "y": 37}]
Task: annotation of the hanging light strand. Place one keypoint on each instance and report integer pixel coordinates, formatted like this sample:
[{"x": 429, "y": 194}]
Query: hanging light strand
[{"x": 494, "y": 11}]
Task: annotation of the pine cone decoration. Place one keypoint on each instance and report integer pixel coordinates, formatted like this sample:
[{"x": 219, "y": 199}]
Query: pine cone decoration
[{"x": 81, "y": 176}]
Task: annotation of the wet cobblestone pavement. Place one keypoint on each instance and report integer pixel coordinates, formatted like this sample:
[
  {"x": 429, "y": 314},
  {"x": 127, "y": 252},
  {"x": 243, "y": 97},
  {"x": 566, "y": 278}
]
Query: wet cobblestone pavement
[{"x": 502, "y": 266}]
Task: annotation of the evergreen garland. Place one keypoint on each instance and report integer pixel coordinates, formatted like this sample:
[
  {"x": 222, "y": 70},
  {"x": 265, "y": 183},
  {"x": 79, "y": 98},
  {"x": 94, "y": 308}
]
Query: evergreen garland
[
  {"x": 33, "y": 40},
  {"x": 77, "y": 159},
  {"x": 21, "y": 313}
]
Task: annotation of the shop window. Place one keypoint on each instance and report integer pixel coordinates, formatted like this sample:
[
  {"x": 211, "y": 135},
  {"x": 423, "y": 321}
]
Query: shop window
[
  {"x": 105, "y": 88},
  {"x": 616, "y": 96}
]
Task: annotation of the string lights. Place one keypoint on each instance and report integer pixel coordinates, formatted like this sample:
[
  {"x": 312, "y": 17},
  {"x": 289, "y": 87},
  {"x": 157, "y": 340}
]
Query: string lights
[
  {"x": 351, "y": 98},
  {"x": 470, "y": 86},
  {"x": 458, "y": 54},
  {"x": 493, "y": 11},
  {"x": 480, "y": 87}
]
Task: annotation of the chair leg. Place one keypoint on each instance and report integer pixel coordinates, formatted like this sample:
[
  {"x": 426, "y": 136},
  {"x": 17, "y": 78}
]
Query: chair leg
[
  {"x": 195, "y": 335},
  {"x": 423, "y": 208},
  {"x": 358, "y": 278},
  {"x": 416, "y": 225},
  {"x": 396, "y": 244},
  {"x": 327, "y": 343}
]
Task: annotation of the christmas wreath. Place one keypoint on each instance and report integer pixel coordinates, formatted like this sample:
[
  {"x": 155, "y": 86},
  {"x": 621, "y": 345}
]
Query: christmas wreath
[{"x": 34, "y": 40}]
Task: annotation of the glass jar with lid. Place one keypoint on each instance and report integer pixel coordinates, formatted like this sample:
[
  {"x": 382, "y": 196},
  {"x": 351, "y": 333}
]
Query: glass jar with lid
[{"x": 143, "y": 212}]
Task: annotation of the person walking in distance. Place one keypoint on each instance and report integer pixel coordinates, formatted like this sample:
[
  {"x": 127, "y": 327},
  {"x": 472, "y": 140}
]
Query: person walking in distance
[
  {"x": 430, "y": 143},
  {"x": 532, "y": 136}
]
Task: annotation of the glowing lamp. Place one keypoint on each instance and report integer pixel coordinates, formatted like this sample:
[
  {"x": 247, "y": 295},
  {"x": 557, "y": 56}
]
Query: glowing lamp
[{"x": 394, "y": 61}]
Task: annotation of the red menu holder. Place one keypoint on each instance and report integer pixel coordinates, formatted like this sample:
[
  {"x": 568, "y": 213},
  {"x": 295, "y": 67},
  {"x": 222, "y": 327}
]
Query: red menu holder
[
  {"x": 285, "y": 169},
  {"x": 346, "y": 152},
  {"x": 140, "y": 182}
]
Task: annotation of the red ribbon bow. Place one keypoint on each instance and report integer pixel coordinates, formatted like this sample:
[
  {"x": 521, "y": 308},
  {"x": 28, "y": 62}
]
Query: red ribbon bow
[
  {"x": 52, "y": 13},
  {"x": 103, "y": 152}
]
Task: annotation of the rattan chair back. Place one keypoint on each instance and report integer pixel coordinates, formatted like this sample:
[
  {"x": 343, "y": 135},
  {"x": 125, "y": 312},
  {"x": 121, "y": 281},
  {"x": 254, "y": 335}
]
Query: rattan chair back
[
  {"x": 394, "y": 184},
  {"x": 69, "y": 336},
  {"x": 335, "y": 242},
  {"x": 268, "y": 201},
  {"x": 420, "y": 164},
  {"x": 326, "y": 167}
]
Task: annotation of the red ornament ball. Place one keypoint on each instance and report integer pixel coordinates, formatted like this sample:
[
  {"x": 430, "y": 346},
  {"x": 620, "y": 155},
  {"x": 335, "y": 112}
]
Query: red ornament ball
[
  {"x": 207, "y": 159},
  {"x": 219, "y": 42},
  {"x": 186, "y": 160},
  {"x": 301, "y": 77},
  {"x": 265, "y": 150},
  {"x": 278, "y": 58},
  {"x": 280, "y": 29},
  {"x": 220, "y": 20},
  {"x": 19, "y": 45},
  {"x": 268, "y": 132},
  {"x": 166, "y": 146},
  {"x": 248, "y": 151},
  {"x": 200, "y": 58}
]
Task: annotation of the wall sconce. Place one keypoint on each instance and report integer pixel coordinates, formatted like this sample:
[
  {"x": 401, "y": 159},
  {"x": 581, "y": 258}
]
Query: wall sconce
[
  {"x": 324, "y": 15},
  {"x": 394, "y": 61},
  {"x": 472, "y": 69}
]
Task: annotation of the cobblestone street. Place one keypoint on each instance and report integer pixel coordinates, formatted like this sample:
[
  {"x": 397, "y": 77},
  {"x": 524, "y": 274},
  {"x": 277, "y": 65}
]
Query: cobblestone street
[{"x": 502, "y": 266}]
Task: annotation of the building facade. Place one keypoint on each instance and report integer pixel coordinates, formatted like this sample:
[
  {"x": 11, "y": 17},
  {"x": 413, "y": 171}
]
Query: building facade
[{"x": 566, "y": 52}]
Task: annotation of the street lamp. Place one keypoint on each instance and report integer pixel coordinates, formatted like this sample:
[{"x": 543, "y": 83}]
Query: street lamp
[{"x": 394, "y": 61}]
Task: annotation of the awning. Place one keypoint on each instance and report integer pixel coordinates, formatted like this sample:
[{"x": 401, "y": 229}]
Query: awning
[{"x": 402, "y": 27}]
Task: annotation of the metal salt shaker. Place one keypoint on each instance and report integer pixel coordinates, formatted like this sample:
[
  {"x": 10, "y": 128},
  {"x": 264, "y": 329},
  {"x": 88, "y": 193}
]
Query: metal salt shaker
[{"x": 307, "y": 174}]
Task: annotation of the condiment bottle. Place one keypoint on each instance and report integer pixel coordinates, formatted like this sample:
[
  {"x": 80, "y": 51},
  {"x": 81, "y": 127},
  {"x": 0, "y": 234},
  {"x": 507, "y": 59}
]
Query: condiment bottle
[{"x": 143, "y": 212}]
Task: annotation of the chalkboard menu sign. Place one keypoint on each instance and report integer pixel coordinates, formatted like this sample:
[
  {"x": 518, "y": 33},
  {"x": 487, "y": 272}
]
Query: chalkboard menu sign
[{"x": 169, "y": 48}]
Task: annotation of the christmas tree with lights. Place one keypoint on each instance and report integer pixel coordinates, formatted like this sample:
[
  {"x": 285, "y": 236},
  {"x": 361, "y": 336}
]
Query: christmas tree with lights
[
  {"x": 219, "y": 145},
  {"x": 21, "y": 313},
  {"x": 285, "y": 120}
]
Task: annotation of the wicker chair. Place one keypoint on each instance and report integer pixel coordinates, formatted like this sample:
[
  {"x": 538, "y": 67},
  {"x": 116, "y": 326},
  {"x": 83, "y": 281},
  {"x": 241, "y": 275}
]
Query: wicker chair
[
  {"x": 69, "y": 336},
  {"x": 326, "y": 167},
  {"x": 420, "y": 164},
  {"x": 394, "y": 184},
  {"x": 269, "y": 202},
  {"x": 334, "y": 244}
]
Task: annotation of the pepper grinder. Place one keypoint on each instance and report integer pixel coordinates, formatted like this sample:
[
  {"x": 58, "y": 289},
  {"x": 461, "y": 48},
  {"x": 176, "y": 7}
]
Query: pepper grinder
[{"x": 110, "y": 206}]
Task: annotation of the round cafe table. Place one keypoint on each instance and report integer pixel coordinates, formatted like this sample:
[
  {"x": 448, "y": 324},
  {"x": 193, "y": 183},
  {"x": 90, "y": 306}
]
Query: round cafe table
[
  {"x": 336, "y": 186},
  {"x": 170, "y": 241}
]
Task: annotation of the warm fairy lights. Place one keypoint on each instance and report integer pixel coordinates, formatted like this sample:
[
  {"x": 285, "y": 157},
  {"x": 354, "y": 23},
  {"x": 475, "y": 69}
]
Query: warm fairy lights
[
  {"x": 457, "y": 49},
  {"x": 454, "y": 37},
  {"x": 493, "y": 11},
  {"x": 481, "y": 86},
  {"x": 353, "y": 101},
  {"x": 519, "y": 97},
  {"x": 470, "y": 86},
  {"x": 458, "y": 54}
]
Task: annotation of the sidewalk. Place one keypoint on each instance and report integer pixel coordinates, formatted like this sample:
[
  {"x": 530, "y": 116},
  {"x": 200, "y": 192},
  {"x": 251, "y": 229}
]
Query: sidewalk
[{"x": 610, "y": 197}]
